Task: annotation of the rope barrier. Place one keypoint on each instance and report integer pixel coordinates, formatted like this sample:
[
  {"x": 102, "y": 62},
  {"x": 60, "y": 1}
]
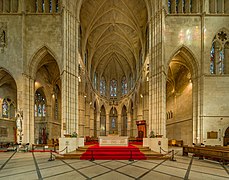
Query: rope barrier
[
  {"x": 64, "y": 149},
  {"x": 172, "y": 158}
]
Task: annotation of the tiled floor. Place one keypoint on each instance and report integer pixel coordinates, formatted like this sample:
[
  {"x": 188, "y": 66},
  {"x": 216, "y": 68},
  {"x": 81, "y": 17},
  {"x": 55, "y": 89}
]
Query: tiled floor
[{"x": 29, "y": 165}]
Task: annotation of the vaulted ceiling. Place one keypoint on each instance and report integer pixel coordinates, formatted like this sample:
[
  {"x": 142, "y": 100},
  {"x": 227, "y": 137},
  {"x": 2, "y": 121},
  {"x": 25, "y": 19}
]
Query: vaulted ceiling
[{"x": 113, "y": 34}]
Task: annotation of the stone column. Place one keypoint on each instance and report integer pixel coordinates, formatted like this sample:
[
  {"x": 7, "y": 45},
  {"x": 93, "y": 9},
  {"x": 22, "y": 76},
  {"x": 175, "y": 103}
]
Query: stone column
[
  {"x": 187, "y": 6},
  {"x": 173, "y": 6},
  {"x": 157, "y": 79},
  {"x": 92, "y": 121},
  {"x": 69, "y": 74},
  {"x": 107, "y": 123},
  {"x": 98, "y": 124},
  {"x": 119, "y": 124},
  {"x": 128, "y": 123},
  {"x": 81, "y": 109},
  {"x": 39, "y": 4},
  {"x": 25, "y": 104},
  {"x": 87, "y": 119}
]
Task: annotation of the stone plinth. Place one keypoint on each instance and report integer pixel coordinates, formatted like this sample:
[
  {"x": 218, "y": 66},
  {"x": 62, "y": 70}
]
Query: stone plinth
[
  {"x": 145, "y": 142},
  {"x": 71, "y": 143},
  {"x": 113, "y": 141},
  {"x": 156, "y": 143},
  {"x": 81, "y": 142}
]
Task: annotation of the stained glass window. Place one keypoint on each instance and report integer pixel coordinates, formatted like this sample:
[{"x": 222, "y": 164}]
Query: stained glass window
[
  {"x": 35, "y": 110},
  {"x": 5, "y": 110},
  {"x": 39, "y": 106},
  {"x": 212, "y": 60},
  {"x": 217, "y": 61},
  {"x": 39, "y": 110},
  {"x": 169, "y": 6},
  {"x": 50, "y": 5},
  {"x": 102, "y": 86},
  {"x": 43, "y": 6},
  {"x": 220, "y": 63},
  {"x": 124, "y": 85},
  {"x": 95, "y": 81},
  {"x": 57, "y": 5},
  {"x": 183, "y": 6},
  {"x": 113, "y": 122},
  {"x": 113, "y": 88},
  {"x": 43, "y": 110}
]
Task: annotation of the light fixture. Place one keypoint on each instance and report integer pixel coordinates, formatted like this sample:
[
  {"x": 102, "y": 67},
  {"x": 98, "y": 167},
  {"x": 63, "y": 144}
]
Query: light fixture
[
  {"x": 85, "y": 96},
  {"x": 141, "y": 95}
]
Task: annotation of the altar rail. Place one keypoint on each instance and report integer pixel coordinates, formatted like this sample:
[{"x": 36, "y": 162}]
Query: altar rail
[{"x": 218, "y": 153}]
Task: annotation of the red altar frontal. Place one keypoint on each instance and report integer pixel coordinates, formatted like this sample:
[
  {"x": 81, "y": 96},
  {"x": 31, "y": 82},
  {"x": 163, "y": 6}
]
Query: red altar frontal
[{"x": 141, "y": 128}]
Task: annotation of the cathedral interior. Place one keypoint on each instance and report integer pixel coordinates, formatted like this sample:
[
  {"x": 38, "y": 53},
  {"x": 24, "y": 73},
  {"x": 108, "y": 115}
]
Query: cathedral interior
[{"x": 98, "y": 67}]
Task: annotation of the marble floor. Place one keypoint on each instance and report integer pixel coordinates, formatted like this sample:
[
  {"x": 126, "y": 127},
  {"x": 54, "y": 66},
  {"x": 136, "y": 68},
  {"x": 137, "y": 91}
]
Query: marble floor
[{"x": 20, "y": 165}]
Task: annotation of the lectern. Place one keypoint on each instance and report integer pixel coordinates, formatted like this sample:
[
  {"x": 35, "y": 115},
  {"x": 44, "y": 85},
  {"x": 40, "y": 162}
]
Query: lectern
[{"x": 141, "y": 128}]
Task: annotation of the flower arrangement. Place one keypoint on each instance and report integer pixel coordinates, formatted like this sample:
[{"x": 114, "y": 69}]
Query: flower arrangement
[
  {"x": 151, "y": 135},
  {"x": 74, "y": 134}
]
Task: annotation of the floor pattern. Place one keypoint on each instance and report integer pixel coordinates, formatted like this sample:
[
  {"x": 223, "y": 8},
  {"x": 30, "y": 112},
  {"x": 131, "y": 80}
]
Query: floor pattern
[{"x": 35, "y": 165}]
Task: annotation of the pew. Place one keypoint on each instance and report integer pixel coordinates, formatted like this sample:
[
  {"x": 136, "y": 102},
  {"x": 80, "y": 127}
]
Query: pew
[{"x": 218, "y": 153}]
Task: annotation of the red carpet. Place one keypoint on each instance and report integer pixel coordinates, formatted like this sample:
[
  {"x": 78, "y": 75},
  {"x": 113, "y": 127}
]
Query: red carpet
[{"x": 113, "y": 153}]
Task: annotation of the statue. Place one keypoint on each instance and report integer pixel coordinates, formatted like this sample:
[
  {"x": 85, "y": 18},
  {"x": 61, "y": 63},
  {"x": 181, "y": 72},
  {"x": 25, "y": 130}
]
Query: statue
[
  {"x": 19, "y": 122},
  {"x": 19, "y": 118}
]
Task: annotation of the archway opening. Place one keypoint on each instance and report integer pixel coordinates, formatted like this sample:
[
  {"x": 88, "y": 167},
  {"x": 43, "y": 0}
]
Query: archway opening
[
  {"x": 8, "y": 101},
  {"x": 179, "y": 99},
  {"x": 113, "y": 121},
  {"x": 102, "y": 121},
  {"x": 47, "y": 101},
  {"x": 124, "y": 122}
]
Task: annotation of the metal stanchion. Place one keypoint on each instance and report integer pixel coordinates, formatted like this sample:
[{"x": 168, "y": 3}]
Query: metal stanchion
[
  {"x": 92, "y": 156},
  {"x": 51, "y": 156},
  {"x": 172, "y": 157},
  {"x": 131, "y": 158}
]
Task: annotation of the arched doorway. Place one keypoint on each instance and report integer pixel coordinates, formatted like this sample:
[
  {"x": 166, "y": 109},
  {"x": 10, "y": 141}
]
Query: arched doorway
[
  {"x": 8, "y": 102},
  {"x": 113, "y": 121},
  {"x": 179, "y": 97},
  {"x": 124, "y": 122},
  {"x": 226, "y": 137},
  {"x": 40, "y": 123},
  {"x": 102, "y": 121},
  {"x": 47, "y": 101}
]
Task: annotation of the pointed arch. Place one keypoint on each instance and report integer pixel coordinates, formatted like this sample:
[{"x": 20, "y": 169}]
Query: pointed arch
[
  {"x": 37, "y": 58},
  {"x": 188, "y": 56}
]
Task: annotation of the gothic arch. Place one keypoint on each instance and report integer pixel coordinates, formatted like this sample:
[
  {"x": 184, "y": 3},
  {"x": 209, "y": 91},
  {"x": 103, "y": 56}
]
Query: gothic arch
[
  {"x": 186, "y": 54},
  {"x": 9, "y": 73},
  {"x": 183, "y": 69},
  {"x": 38, "y": 57}
]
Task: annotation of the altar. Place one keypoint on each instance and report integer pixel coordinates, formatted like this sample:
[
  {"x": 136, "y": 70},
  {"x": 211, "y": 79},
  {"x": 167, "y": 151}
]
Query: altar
[{"x": 113, "y": 140}]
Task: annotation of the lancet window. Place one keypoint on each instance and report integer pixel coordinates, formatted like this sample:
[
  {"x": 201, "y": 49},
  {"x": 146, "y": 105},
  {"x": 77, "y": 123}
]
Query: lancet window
[
  {"x": 124, "y": 85},
  {"x": 102, "y": 86},
  {"x": 219, "y": 54},
  {"x": 39, "y": 106},
  {"x": 113, "y": 88}
]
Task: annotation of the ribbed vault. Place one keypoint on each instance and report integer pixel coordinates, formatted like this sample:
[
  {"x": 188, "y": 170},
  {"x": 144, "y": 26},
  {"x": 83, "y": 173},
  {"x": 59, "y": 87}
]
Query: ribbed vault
[{"x": 113, "y": 33}]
